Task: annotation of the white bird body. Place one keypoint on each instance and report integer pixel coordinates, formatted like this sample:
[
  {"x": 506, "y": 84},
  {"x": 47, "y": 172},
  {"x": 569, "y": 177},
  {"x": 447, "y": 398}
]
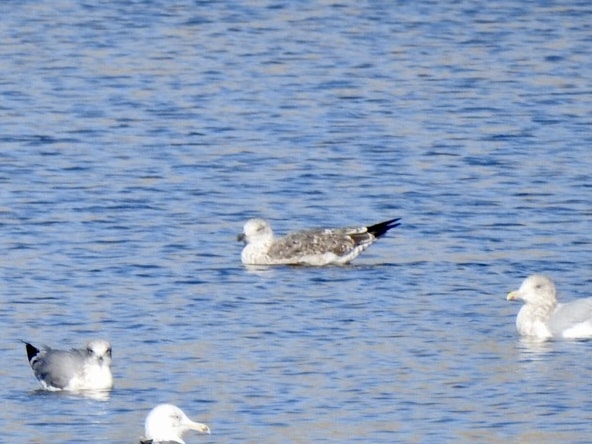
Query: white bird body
[
  {"x": 166, "y": 423},
  {"x": 73, "y": 370},
  {"x": 543, "y": 317},
  {"x": 316, "y": 247}
]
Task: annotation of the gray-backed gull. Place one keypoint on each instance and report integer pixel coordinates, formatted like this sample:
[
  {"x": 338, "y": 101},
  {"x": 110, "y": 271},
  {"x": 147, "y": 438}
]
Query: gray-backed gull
[
  {"x": 87, "y": 368},
  {"x": 543, "y": 317}
]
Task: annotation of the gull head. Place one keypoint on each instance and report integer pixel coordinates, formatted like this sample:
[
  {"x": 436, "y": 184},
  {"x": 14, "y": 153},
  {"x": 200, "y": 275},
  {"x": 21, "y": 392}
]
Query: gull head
[
  {"x": 537, "y": 290},
  {"x": 256, "y": 231},
  {"x": 100, "y": 350},
  {"x": 167, "y": 422}
]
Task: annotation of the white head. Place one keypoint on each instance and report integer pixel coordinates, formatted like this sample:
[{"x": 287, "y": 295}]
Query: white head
[
  {"x": 256, "y": 231},
  {"x": 166, "y": 422},
  {"x": 537, "y": 290},
  {"x": 100, "y": 350}
]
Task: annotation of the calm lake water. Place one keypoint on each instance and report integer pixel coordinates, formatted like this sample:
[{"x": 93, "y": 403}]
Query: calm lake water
[{"x": 137, "y": 137}]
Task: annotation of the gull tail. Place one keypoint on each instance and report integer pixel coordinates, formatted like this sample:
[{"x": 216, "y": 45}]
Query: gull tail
[
  {"x": 32, "y": 351},
  {"x": 381, "y": 228}
]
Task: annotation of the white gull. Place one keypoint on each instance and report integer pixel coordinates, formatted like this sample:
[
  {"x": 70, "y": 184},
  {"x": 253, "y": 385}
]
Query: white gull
[
  {"x": 88, "y": 368},
  {"x": 323, "y": 246},
  {"x": 166, "y": 423},
  {"x": 543, "y": 317}
]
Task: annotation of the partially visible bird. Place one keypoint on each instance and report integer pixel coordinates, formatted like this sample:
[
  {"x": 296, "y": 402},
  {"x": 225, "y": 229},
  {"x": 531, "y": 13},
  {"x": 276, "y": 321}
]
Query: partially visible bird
[
  {"x": 166, "y": 423},
  {"x": 543, "y": 317},
  {"x": 317, "y": 247},
  {"x": 87, "y": 368}
]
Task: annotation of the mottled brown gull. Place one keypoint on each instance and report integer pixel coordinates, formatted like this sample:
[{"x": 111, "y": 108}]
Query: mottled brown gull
[
  {"x": 87, "y": 368},
  {"x": 543, "y": 317},
  {"x": 323, "y": 246},
  {"x": 167, "y": 423}
]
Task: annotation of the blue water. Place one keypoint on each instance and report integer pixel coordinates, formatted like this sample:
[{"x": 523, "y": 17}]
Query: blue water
[{"x": 136, "y": 138}]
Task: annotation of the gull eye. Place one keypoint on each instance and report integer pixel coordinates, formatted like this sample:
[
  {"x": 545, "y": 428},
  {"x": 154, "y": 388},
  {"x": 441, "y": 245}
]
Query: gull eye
[
  {"x": 108, "y": 353},
  {"x": 175, "y": 418}
]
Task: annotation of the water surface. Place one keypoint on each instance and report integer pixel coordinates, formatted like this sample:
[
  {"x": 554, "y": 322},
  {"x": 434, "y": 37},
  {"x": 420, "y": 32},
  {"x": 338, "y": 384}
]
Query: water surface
[{"x": 138, "y": 137}]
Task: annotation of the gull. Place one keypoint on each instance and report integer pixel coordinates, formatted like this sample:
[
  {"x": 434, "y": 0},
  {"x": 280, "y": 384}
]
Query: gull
[
  {"x": 322, "y": 246},
  {"x": 76, "y": 369},
  {"x": 166, "y": 423},
  {"x": 542, "y": 317}
]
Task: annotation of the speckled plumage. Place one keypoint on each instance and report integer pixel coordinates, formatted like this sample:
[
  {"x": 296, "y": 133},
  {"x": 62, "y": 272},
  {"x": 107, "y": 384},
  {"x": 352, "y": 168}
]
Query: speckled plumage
[{"x": 308, "y": 247}]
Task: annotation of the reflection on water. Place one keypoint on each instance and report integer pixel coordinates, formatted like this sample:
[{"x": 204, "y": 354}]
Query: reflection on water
[
  {"x": 95, "y": 395},
  {"x": 534, "y": 348}
]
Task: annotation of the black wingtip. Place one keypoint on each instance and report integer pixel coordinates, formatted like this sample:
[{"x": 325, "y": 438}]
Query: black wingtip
[
  {"x": 381, "y": 228},
  {"x": 32, "y": 351}
]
